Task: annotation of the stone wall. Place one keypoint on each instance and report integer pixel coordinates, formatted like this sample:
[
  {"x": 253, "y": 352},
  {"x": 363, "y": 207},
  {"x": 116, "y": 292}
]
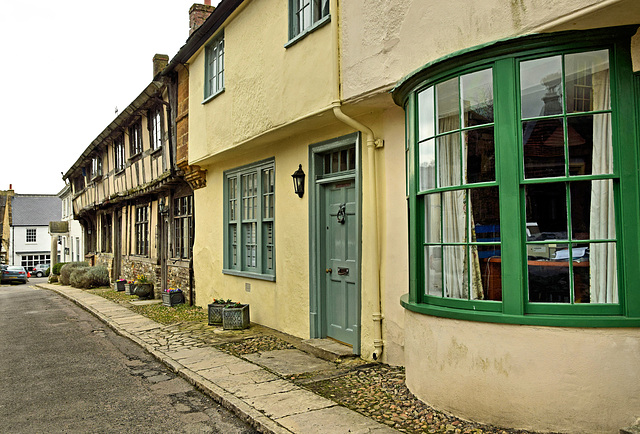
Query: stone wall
[
  {"x": 106, "y": 260},
  {"x": 178, "y": 277},
  {"x": 133, "y": 267}
]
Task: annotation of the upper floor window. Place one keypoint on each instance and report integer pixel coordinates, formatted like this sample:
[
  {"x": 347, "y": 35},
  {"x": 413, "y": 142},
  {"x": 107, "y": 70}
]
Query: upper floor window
[
  {"x": 135, "y": 138},
  {"x": 305, "y": 14},
  {"x": 31, "y": 236},
  {"x": 214, "y": 67},
  {"x": 118, "y": 153},
  {"x": 183, "y": 226},
  {"x": 96, "y": 167},
  {"x": 155, "y": 128},
  {"x": 249, "y": 220},
  {"x": 535, "y": 183}
]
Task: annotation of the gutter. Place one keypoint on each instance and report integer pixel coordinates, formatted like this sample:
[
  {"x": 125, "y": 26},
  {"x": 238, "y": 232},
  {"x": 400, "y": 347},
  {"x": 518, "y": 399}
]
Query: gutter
[{"x": 373, "y": 260}]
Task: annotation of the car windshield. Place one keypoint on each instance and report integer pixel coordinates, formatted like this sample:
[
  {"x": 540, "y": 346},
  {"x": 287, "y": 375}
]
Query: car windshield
[{"x": 15, "y": 268}]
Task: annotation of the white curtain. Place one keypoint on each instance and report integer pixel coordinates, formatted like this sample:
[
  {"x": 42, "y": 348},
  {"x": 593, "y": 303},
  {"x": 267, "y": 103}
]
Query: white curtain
[{"x": 602, "y": 256}]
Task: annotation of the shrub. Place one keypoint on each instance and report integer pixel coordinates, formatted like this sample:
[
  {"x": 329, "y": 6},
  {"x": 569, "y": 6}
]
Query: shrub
[
  {"x": 66, "y": 270},
  {"x": 53, "y": 278},
  {"x": 89, "y": 277},
  {"x": 47, "y": 272},
  {"x": 57, "y": 267}
]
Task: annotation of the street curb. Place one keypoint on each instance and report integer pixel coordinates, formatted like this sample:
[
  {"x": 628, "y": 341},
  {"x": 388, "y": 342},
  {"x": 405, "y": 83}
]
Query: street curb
[{"x": 229, "y": 401}]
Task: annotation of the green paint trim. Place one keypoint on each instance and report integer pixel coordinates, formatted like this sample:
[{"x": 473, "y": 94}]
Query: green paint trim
[{"x": 591, "y": 321}]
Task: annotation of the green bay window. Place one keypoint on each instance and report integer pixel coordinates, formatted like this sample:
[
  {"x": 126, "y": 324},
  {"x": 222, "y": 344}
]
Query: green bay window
[
  {"x": 521, "y": 168},
  {"x": 249, "y": 221}
]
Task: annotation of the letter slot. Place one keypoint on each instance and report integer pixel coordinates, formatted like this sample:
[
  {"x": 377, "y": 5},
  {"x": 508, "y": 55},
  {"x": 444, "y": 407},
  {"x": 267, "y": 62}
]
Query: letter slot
[{"x": 343, "y": 271}]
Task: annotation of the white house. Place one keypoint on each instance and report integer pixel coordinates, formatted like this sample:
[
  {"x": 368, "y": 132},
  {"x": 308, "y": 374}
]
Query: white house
[
  {"x": 30, "y": 243},
  {"x": 71, "y": 246}
]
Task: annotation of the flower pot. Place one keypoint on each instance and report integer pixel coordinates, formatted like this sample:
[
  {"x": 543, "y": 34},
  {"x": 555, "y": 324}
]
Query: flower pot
[
  {"x": 215, "y": 313},
  {"x": 235, "y": 318},
  {"x": 119, "y": 285},
  {"x": 172, "y": 298},
  {"x": 143, "y": 290},
  {"x": 128, "y": 288}
]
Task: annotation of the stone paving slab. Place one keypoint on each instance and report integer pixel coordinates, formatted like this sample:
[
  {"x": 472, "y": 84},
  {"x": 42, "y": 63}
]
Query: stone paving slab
[{"x": 251, "y": 386}]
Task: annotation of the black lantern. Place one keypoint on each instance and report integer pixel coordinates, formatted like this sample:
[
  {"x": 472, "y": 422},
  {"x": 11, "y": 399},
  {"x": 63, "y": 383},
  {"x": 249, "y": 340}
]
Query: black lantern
[{"x": 298, "y": 181}]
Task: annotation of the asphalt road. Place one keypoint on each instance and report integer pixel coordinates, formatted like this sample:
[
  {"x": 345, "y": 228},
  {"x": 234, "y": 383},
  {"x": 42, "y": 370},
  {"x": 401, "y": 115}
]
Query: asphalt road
[{"x": 62, "y": 370}]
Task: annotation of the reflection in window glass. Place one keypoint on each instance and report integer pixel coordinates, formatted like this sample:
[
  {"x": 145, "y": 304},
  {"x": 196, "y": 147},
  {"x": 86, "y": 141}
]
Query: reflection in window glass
[
  {"x": 480, "y": 158},
  {"x": 590, "y": 149},
  {"x": 477, "y": 97},
  {"x": 433, "y": 270},
  {"x": 543, "y": 143},
  {"x": 587, "y": 77},
  {"x": 541, "y": 87},
  {"x": 426, "y": 127},
  {"x": 433, "y": 221},
  {"x": 427, "y": 162},
  {"x": 448, "y": 105}
]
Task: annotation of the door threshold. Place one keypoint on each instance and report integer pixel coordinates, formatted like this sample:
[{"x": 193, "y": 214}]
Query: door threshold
[{"x": 328, "y": 349}]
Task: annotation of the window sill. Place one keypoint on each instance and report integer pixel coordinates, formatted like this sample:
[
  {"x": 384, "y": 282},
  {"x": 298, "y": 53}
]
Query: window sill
[
  {"x": 532, "y": 319},
  {"x": 119, "y": 172},
  {"x": 155, "y": 151},
  {"x": 135, "y": 156},
  {"x": 211, "y": 97},
  {"x": 294, "y": 40},
  {"x": 250, "y": 275}
]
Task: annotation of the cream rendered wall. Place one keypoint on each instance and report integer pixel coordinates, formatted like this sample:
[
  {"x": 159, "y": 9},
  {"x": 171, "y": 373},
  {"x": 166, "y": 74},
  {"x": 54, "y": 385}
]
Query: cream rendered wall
[
  {"x": 540, "y": 378},
  {"x": 266, "y": 85},
  {"x": 382, "y": 42}
]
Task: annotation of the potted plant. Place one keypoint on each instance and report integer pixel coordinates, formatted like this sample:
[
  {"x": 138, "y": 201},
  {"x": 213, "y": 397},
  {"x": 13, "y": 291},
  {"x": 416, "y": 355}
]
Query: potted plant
[
  {"x": 235, "y": 316},
  {"x": 143, "y": 287},
  {"x": 215, "y": 310},
  {"x": 119, "y": 285},
  {"x": 128, "y": 287},
  {"x": 172, "y": 297}
]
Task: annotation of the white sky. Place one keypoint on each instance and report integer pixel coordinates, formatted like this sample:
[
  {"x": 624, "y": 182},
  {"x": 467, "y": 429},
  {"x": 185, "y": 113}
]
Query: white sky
[{"x": 65, "y": 65}]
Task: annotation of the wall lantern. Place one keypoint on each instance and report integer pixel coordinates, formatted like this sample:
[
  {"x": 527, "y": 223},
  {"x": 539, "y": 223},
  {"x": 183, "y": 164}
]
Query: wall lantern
[{"x": 298, "y": 181}]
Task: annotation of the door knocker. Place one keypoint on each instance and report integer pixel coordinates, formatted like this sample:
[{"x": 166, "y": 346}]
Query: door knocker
[{"x": 341, "y": 213}]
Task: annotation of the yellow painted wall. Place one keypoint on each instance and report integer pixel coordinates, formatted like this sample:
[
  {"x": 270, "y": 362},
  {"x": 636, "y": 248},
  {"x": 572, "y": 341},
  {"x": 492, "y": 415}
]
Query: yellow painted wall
[
  {"x": 578, "y": 380},
  {"x": 265, "y": 84}
]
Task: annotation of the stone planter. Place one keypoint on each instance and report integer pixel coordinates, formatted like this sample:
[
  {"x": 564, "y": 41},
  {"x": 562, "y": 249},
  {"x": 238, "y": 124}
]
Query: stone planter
[
  {"x": 143, "y": 290},
  {"x": 172, "y": 298},
  {"x": 235, "y": 318},
  {"x": 215, "y": 313},
  {"x": 128, "y": 288},
  {"x": 119, "y": 285}
]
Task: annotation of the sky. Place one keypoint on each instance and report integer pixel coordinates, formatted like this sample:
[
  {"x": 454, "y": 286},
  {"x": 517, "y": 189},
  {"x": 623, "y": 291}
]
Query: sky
[{"x": 65, "y": 65}]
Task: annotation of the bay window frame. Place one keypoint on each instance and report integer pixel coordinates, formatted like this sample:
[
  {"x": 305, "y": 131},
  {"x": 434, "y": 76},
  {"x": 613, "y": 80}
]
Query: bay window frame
[{"x": 504, "y": 58}]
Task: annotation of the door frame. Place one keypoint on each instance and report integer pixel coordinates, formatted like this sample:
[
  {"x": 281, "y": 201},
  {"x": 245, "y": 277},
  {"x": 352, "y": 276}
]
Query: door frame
[{"x": 316, "y": 183}]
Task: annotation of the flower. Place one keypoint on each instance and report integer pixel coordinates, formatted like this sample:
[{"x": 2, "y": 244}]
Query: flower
[
  {"x": 122, "y": 280},
  {"x": 172, "y": 290},
  {"x": 142, "y": 278}
]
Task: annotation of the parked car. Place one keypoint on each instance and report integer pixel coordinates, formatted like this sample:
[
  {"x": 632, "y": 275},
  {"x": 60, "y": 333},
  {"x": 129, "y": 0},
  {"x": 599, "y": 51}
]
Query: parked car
[
  {"x": 15, "y": 273},
  {"x": 39, "y": 270}
]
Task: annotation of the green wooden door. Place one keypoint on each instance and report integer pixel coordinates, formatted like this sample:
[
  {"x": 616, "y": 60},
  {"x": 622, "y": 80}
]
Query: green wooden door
[{"x": 341, "y": 262}]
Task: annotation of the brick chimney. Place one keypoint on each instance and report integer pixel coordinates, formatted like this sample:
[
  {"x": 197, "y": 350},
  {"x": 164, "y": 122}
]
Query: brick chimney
[
  {"x": 160, "y": 61},
  {"x": 198, "y": 14}
]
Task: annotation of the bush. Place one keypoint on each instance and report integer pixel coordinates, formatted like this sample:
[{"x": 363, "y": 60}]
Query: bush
[
  {"x": 65, "y": 271},
  {"x": 89, "y": 277},
  {"x": 53, "y": 278},
  {"x": 57, "y": 267},
  {"x": 47, "y": 272}
]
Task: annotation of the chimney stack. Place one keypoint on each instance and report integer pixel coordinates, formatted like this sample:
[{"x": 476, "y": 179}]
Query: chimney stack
[
  {"x": 160, "y": 61},
  {"x": 198, "y": 14}
]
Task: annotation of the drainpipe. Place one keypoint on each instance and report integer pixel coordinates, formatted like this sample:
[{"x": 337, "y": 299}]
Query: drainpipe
[{"x": 373, "y": 263}]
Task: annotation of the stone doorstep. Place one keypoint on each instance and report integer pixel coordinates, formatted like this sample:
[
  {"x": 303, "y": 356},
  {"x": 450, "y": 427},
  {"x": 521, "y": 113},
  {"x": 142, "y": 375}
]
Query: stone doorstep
[
  {"x": 145, "y": 302},
  {"x": 327, "y": 349}
]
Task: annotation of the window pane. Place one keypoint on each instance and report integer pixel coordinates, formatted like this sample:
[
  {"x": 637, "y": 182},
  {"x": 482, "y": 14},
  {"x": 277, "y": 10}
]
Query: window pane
[
  {"x": 587, "y": 81},
  {"x": 454, "y": 216},
  {"x": 448, "y": 105},
  {"x": 352, "y": 158},
  {"x": 433, "y": 270},
  {"x": 491, "y": 272},
  {"x": 433, "y": 221},
  {"x": 549, "y": 281},
  {"x": 590, "y": 149},
  {"x": 427, "y": 161},
  {"x": 543, "y": 143},
  {"x": 485, "y": 215},
  {"x": 592, "y": 210},
  {"x": 449, "y": 160},
  {"x": 546, "y": 207},
  {"x": 426, "y": 126},
  {"x": 540, "y": 87},
  {"x": 454, "y": 271},
  {"x": 477, "y": 97},
  {"x": 603, "y": 274},
  {"x": 480, "y": 158}
]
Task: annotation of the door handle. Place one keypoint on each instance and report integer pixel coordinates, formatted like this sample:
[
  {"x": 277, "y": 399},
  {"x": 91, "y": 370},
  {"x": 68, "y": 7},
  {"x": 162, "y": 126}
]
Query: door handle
[{"x": 328, "y": 270}]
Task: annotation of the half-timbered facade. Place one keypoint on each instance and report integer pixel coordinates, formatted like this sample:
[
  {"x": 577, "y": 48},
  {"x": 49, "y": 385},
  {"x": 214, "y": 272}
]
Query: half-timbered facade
[{"x": 130, "y": 196}]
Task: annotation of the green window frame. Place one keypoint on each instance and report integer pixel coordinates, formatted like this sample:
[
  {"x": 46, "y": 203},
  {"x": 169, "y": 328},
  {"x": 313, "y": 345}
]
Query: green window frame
[
  {"x": 553, "y": 153},
  {"x": 249, "y": 220},
  {"x": 214, "y": 67},
  {"x": 305, "y": 16}
]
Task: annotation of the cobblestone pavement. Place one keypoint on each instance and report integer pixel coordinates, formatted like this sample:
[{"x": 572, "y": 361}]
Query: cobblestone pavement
[{"x": 375, "y": 390}]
